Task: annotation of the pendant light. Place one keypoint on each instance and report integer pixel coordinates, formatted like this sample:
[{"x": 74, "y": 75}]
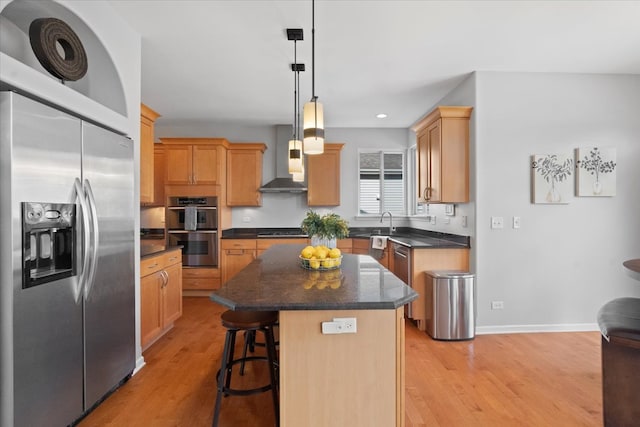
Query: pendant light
[
  {"x": 298, "y": 176},
  {"x": 313, "y": 114},
  {"x": 295, "y": 145}
]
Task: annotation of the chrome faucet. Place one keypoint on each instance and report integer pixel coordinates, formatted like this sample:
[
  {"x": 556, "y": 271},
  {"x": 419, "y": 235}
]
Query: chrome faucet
[{"x": 391, "y": 229}]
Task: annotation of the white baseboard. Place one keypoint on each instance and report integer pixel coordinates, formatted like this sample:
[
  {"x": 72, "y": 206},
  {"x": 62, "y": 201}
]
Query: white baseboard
[
  {"x": 139, "y": 365},
  {"x": 524, "y": 329}
]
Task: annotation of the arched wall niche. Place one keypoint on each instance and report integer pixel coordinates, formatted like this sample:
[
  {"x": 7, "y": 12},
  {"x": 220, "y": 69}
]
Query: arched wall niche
[{"x": 101, "y": 83}]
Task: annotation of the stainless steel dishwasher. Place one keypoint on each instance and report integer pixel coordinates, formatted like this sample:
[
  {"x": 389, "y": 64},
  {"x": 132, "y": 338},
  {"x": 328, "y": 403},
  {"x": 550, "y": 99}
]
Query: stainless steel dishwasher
[{"x": 402, "y": 268}]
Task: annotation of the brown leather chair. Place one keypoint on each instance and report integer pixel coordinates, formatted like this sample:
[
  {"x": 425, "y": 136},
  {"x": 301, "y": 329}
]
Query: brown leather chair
[{"x": 619, "y": 322}]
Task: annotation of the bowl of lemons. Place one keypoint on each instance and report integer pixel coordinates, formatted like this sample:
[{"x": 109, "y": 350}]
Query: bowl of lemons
[{"x": 320, "y": 258}]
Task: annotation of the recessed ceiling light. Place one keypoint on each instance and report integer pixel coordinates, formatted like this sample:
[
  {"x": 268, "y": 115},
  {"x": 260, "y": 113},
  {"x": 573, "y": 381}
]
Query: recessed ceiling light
[{"x": 381, "y": 116}]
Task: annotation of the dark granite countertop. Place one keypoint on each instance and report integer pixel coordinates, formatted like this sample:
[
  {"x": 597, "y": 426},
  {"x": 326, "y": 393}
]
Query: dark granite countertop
[
  {"x": 153, "y": 249},
  {"x": 276, "y": 281},
  {"x": 410, "y": 237}
]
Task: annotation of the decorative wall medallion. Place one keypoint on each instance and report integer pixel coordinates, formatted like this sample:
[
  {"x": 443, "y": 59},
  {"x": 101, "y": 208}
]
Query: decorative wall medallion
[
  {"x": 550, "y": 178},
  {"x": 596, "y": 171},
  {"x": 47, "y": 35}
]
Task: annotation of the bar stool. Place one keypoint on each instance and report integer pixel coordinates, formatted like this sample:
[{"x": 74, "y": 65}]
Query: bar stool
[
  {"x": 250, "y": 344},
  {"x": 250, "y": 322}
]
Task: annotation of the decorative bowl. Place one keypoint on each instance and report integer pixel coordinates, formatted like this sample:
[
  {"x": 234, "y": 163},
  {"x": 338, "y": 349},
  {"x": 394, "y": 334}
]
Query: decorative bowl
[{"x": 320, "y": 264}]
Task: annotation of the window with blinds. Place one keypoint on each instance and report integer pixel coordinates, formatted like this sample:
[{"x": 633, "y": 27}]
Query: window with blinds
[{"x": 382, "y": 182}]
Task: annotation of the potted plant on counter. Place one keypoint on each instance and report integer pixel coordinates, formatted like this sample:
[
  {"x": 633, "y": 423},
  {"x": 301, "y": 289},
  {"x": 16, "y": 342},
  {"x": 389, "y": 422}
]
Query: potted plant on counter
[{"x": 324, "y": 230}]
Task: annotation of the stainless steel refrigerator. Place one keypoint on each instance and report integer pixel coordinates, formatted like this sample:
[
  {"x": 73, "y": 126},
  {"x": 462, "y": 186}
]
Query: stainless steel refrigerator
[{"x": 67, "y": 310}]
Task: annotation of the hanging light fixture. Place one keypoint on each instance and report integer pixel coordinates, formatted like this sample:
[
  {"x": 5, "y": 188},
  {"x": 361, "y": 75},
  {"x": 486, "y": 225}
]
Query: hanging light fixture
[
  {"x": 295, "y": 145},
  {"x": 313, "y": 114},
  {"x": 298, "y": 176}
]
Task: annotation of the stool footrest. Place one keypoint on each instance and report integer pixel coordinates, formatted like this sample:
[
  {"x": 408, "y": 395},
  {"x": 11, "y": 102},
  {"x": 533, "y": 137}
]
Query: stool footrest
[{"x": 249, "y": 391}]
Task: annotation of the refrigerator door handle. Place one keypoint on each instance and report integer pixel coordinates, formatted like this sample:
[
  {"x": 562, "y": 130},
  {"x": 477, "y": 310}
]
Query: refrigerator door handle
[
  {"x": 96, "y": 234},
  {"x": 86, "y": 237}
]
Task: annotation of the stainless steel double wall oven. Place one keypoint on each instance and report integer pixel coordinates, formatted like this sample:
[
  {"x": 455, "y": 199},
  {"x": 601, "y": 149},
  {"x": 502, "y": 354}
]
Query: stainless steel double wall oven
[{"x": 192, "y": 222}]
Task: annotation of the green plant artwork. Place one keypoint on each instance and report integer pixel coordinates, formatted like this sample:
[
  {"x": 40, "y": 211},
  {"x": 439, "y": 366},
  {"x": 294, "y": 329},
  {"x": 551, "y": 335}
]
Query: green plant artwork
[
  {"x": 550, "y": 178},
  {"x": 596, "y": 171}
]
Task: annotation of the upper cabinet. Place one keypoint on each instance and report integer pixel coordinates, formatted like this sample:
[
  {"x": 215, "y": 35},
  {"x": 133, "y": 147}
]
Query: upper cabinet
[
  {"x": 147, "y": 120},
  {"x": 443, "y": 155},
  {"x": 323, "y": 177},
  {"x": 190, "y": 161},
  {"x": 244, "y": 174},
  {"x": 159, "y": 170}
]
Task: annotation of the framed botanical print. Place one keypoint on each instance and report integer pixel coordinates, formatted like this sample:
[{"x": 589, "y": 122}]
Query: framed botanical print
[
  {"x": 550, "y": 178},
  {"x": 595, "y": 172}
]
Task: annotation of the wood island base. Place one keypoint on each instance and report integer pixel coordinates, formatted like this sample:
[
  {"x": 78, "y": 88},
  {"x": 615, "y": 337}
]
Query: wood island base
[{"x": 343, "y": 379}]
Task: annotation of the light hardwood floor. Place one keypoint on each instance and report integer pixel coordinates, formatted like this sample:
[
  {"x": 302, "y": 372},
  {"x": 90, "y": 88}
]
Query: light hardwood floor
[{"x": 543, "y": 379}]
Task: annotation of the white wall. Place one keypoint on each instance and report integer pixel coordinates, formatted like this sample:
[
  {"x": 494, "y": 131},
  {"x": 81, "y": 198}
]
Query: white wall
[{"x": 566, "y": 261}]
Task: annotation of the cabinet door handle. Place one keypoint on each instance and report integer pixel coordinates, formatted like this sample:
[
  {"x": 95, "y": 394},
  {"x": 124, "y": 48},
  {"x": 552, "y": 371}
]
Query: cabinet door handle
[
  {"x": 173, "y": 258},
  {"x": 165, "y": 278},
  {"x": 153, "y": 265}
]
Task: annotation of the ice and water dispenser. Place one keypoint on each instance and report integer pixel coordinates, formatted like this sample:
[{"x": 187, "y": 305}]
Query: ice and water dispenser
[{"x": 48, "y": 242}]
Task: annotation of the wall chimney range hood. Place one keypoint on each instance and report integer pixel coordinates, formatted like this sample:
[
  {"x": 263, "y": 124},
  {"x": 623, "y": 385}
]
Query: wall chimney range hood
[
  {"x": 283, "y": 185},
  {"x": 283, "y": 182}
]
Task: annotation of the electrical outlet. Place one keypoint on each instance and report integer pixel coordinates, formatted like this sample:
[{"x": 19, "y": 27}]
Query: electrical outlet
[
  {"x": 464, "y": 221},
  {"x": 433, "y": 220},
  {"x": 349, "y": 324},
  {"x": 340, "y": 325},
  {"x": 246, "y": 219},
  {"x": 446, "y": 220},
  {"x": 497, "y": 305},
  {"x": 516, "y": 222},
  {"x": 497, "y": 222}
]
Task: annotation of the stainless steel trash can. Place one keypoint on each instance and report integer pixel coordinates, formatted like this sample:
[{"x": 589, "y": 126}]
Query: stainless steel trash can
[{"x": 451, "y": 305}]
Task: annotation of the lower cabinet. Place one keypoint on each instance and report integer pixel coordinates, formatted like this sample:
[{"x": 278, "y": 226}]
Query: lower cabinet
[
  {"x": 200, "y": 279},
  {"x": 361, "y": 247},
  {"x": 423, "y": 260},
  {"x": 345, "y": 245},
  {"x": 264, "y": 244},
  {"x": 236, "y": 255},
  {"x": 160, "y": 295}
]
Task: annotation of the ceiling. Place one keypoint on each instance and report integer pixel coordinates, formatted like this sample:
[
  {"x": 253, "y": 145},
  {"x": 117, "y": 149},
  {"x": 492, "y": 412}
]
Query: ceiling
[{"x": 229, "y": 61}]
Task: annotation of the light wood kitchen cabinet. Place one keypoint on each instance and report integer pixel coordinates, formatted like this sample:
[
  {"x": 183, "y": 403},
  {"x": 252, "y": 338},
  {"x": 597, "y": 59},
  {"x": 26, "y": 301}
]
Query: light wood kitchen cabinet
[
  {"x": 147, "y": 121},
  {"x": 244, "y": 174},
  {"x": 264, "y": 244},
  {"x": 190, "y": 161},
  {"x": 427, "y": 260},
  {"x": 200, "y": 279},
  {"x": 361, "y": 247},
  {"x": 345, "y": 245},
  {"x": 443, "y": 155},
  {"x": 160, "y": 295},
  {"x": 158, "y": 175},
  {"x": 236, "y": 255},
  {"x": 323, "y": 176}
]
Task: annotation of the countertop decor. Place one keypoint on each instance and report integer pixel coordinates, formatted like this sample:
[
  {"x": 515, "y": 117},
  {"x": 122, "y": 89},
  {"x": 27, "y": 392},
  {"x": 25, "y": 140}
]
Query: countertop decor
[{"x": 324, "y": 230}]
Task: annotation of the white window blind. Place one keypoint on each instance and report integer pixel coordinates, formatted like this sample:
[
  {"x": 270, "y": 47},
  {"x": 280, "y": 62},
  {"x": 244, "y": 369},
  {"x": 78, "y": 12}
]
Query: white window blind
[{"x": 382, "y": 182}]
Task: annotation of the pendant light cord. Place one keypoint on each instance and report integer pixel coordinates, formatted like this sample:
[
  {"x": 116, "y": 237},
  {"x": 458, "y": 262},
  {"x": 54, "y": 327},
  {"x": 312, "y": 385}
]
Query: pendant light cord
[
  {"x": 295, "y": 91},
  {"x": 313, "y": 49}
]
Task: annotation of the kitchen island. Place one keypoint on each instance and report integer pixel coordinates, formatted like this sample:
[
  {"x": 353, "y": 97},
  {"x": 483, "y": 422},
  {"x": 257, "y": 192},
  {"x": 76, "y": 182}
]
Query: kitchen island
[{"x": 350, "y": 379}]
